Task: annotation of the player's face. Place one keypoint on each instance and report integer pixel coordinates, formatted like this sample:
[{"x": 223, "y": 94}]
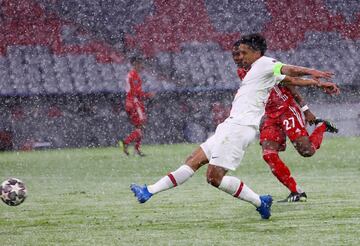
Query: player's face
[
  {"x": 247, "y": 55},
  {"x": 236, "y": 56},
  {"x": 138, "y": 66}
]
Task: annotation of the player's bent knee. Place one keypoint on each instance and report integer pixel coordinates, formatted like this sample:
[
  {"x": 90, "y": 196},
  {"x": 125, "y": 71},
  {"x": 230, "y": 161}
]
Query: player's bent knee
[
  {"x": 214, "y": 175},
  {"x": 213, "y": 181},
  {"x": 306, "y": 152},
  {"x": 304, "y": 147}
]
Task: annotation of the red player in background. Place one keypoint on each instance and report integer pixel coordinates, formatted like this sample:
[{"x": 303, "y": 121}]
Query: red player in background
[
  {"x": 283, "y": 118},
  {"x": 134, "y": 106}
]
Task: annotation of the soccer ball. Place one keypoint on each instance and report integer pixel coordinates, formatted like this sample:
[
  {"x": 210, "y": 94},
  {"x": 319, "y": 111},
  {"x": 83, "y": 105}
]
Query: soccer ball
[{"x": 13, "y": 192}]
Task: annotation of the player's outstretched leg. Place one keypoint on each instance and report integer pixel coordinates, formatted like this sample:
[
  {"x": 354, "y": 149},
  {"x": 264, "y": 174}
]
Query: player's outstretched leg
[
  {"x": 237, "y": 188},
  {"x": 173, "y": 179}
]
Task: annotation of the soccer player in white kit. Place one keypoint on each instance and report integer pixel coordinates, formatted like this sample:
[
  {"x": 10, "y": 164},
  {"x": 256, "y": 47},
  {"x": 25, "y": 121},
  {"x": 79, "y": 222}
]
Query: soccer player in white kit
[{"x": 225, "y": 149}]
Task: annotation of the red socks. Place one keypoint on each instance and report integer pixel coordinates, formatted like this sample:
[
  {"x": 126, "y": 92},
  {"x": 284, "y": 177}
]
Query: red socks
[
  {"x": 135, "y": 135},
  {"x": 317, "y": 136},
  {"x": 279, "y": 169}
]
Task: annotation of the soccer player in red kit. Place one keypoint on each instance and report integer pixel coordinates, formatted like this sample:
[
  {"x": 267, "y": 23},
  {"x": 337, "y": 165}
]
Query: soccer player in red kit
[
  {"x": 283, "y": 117},
  {"x": 134, "y": 106}
]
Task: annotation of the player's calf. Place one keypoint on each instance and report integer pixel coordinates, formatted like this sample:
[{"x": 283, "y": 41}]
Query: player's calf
[{"x": 279, "y": 169}]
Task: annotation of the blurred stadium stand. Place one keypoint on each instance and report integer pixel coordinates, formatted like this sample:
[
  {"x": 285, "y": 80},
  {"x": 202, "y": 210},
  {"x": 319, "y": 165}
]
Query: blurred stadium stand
[{"x": 70, "y": 57}]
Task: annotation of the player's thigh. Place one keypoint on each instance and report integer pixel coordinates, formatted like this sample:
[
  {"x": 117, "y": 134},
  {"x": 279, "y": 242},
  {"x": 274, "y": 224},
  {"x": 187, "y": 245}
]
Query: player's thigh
[
  {"x": 218, "y": 136},
  {"x": 272, "y": 135},
  {"x": 197, "y": 159},
  {"x": 140, "y": 111},
  {"x": 293, "y": 123},
  {"x": 136, "y": 118},
  {"x": 227, "y": 146}
]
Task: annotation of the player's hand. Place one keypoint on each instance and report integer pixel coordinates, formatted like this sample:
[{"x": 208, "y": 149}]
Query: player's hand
[
  {"x": 329, "y": 88},
  {"x": 309, "y": 117},
  {"x": 317, "y": 74}
]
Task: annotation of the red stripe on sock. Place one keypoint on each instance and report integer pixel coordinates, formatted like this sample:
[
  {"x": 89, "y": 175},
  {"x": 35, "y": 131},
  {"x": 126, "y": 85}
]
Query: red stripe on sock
[
  {"x": 173, "y": 180},
  {"x": 237, "y": 193}
]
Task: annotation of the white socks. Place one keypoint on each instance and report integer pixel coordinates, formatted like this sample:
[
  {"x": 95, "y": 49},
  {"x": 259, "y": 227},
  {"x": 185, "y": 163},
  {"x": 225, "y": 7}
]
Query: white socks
[
  {"x": 229, "y": 184},
  {"x": 237, "y": 188},
  {"x": 298, "y": 189},
  {"x": 173, "y": 179}
]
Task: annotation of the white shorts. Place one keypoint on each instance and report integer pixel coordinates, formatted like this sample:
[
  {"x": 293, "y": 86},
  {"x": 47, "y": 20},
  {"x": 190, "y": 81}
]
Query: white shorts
[{"x": 227, "y": 146}]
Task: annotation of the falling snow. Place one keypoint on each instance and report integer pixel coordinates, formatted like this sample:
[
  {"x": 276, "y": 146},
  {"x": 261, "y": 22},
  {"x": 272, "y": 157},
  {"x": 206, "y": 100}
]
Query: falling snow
[{"x": 63, "y": 65}]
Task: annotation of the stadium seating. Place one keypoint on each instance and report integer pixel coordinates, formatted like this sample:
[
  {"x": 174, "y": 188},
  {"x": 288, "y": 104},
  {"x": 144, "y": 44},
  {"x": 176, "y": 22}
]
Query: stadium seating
[
  {"x": 78, "y": 48},
  {"x": 53, "y": 47},
  {"x": 36, "y": 48}
]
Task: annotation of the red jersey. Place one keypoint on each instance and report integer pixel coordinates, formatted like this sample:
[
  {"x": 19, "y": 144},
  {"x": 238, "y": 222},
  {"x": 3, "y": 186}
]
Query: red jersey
[
  {"x": 279, "y": 99},
  {"x": 135, "y": 95},
  {"x": 241, "y": 73}
]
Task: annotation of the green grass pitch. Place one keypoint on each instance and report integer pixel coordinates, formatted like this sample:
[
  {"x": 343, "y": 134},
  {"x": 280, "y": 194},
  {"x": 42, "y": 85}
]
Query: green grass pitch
[{"x": 82, "y": 197}]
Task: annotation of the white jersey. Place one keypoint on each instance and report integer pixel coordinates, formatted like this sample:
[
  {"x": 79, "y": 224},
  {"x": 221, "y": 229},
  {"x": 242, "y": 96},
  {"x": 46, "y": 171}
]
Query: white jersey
[{"x": 248, "y": 105}]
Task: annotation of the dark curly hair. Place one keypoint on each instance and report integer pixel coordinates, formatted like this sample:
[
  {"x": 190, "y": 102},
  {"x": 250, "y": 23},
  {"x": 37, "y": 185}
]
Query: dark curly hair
[
  {"x": 255, "y": 40},
  {"x": 136, "y": 59}
]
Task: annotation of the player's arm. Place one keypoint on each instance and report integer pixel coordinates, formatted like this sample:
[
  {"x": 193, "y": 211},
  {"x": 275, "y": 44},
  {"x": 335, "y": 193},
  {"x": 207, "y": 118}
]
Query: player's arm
[
  {"x": 297, "y": 71},
  {"x": 297, "y": 97},
  {"x": 309, "y": 116},
  {"x": 328, "y": 87},
  {"x": 280, "y": 70}
]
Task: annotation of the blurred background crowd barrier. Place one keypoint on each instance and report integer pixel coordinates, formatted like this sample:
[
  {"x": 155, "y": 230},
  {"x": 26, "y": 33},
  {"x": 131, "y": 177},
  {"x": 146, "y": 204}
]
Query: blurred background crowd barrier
[{"x": 63, "y": 64}]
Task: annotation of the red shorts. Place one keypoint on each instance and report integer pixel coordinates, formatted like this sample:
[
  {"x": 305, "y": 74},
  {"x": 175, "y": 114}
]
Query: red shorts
[{"x": 290, "y": 124}]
